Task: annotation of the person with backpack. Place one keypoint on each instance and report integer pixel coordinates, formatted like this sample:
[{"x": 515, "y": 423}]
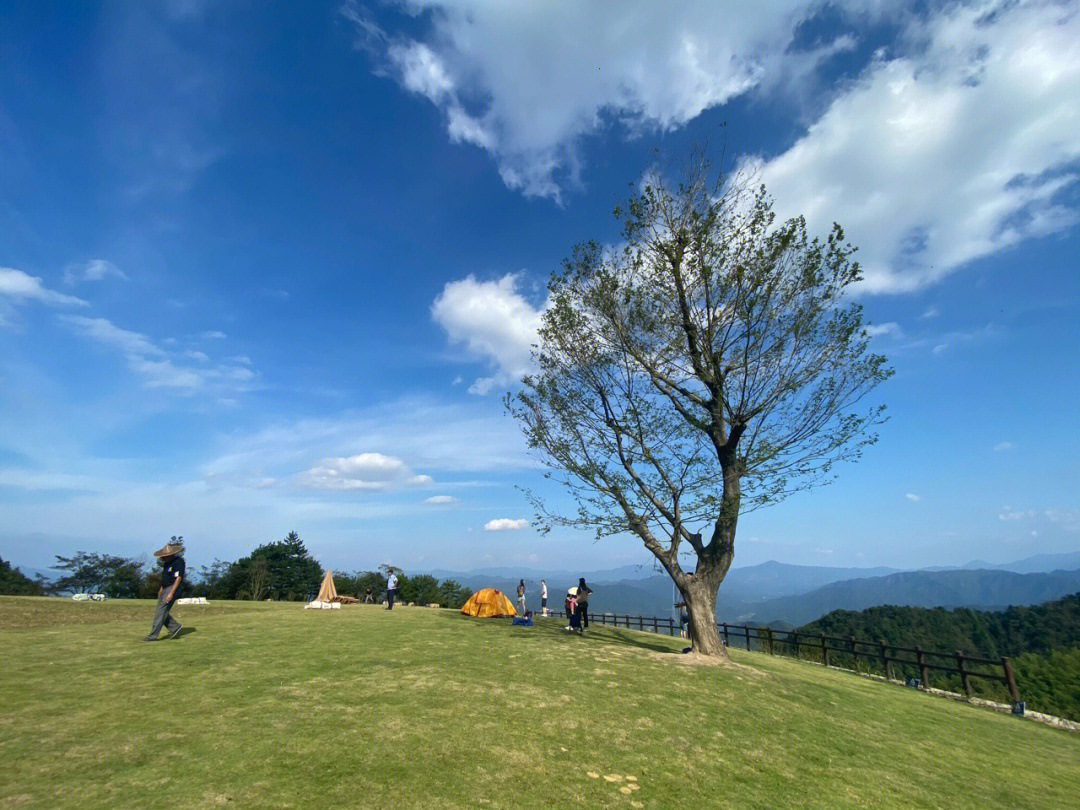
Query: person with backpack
[{"x": 570, "y": 606}]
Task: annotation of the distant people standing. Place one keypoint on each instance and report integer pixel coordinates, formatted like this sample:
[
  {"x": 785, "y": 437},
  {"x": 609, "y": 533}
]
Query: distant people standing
[
  {"x": 543, "y": 598},
  {"x": 172, "y": 575},
  {"x": 583, "y": 594},
  {"x": 391, "y": 590},
  {"x": 521, "y": 596}
]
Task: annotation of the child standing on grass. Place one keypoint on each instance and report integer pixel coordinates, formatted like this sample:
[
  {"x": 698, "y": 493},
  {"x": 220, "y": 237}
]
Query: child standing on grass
[
  {"x": 571, "y": 610},
  {"x": 521, "y": 596}
]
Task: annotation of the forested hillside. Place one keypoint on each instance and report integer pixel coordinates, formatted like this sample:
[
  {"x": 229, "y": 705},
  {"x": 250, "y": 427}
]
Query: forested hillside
[
  {"x": 1042, "y": 640},
  {"x": 1038, "y": 628}
]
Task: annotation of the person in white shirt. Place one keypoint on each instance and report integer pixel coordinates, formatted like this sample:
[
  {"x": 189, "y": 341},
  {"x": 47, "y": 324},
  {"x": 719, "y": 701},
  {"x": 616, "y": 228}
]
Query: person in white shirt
[
  {"x": 543, "y": 598},
  {"x": 391, "y": 590}
]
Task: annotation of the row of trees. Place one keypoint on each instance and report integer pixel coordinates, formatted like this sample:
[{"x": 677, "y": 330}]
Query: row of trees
[{"x": 280, "y": 570}]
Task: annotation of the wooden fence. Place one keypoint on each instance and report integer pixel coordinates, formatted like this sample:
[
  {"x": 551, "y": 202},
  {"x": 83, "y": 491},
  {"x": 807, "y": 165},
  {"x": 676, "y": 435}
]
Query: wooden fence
[{"x": 835, "y": 651}]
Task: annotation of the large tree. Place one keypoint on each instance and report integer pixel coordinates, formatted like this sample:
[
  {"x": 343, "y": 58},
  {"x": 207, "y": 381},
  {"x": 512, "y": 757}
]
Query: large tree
[{"x": 709, "y": 366}]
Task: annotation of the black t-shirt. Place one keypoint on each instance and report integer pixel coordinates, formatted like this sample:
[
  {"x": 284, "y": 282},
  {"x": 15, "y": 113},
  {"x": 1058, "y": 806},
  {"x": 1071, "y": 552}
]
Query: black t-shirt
[{"x": 173, "y": 570}]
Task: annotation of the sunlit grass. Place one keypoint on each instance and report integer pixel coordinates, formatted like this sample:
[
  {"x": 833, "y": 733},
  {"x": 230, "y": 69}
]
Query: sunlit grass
[{"x": 268, "y": 705}]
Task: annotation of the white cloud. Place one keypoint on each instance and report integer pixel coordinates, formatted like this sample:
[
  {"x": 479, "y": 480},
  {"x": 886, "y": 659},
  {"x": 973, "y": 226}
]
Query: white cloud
[
  {"x": 823, "y": 550},
  {"x": 493, "y": 321},
  {"x": 931, "y": 312},
  {"x": 964, "y": 145},
  {"x": 441, "y": 499},
  {"x": 213, "y": 334},
  {"x": 1002, "y": 446},
  {"x": 1007, "y": 514},
  {"x": 1067, "y": 519},
  {"x": 892, "y": 329},
  {"x": 527, "y": 81},
  {"x": 911, "y": 496},
  {"x": 160, "y": 369},
  {"x": 18, "y": 286},
  {"x": 365, "y": 471},
  {"x": 505, "y": 524},
  {"x": 93, "y": 270},
  {"x": 431, "y": 434}
]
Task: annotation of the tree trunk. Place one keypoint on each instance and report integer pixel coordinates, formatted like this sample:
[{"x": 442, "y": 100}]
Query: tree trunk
[{"x": 700, "y": 596}]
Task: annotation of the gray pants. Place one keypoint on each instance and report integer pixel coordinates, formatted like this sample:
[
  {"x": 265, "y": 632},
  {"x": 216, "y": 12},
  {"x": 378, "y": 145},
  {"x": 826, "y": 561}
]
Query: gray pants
[{"x": 162, "y": 617}]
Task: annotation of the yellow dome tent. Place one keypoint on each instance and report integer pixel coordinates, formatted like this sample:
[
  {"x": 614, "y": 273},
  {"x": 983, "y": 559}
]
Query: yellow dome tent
[{"x": 488, "y": 603}]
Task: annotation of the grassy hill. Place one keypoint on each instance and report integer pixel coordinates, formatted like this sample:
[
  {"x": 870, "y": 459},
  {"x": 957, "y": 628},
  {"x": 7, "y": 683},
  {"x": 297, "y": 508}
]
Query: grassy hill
[{"x": 268, "y": 705}]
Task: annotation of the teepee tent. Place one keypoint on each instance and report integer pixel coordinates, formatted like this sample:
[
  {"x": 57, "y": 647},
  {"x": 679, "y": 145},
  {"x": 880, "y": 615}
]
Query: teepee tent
[
  {"x": 328, "y": 593},
  {"x": 488, "y": 603}
]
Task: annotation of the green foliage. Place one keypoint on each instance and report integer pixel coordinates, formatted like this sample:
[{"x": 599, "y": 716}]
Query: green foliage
[
  {"x": 89, "y": 572},
  {"x": 1043, "y": 642},
  {"x": 14, "y": 582},
  {"x": 990, "y": 634},
  {"x": 291, "y": 572}
]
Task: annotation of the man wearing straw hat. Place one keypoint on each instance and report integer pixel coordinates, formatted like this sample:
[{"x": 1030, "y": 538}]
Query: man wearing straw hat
[{"x": 171, "y": 576}]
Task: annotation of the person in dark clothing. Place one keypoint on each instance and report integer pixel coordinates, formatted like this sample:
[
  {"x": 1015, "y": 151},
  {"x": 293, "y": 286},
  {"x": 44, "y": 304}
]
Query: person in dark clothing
[
  {"x": 172, "y": 575},
  {"x": 583, "y": 594},
  {"x": 368, "y": 598}
]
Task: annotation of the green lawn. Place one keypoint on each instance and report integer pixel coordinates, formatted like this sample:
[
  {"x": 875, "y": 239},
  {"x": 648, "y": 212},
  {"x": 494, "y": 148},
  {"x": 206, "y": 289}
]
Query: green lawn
[{"x": 269, "y": 705}]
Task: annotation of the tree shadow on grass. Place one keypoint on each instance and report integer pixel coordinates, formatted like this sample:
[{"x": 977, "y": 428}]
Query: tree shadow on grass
[{"x": 555, "y": 630}]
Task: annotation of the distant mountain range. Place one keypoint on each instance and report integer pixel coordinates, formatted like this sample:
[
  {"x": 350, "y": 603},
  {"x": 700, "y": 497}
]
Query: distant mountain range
[
  {"x": 986, "y": 590},
  {"x": 777, "y": 592}
]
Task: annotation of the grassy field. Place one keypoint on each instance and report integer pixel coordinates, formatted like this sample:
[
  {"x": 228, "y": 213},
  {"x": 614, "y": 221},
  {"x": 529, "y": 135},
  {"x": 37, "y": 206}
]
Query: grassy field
[{"x": 269, "y": 705}]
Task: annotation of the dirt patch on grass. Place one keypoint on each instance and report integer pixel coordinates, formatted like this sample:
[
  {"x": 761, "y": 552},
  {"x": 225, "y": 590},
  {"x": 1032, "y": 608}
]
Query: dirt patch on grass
[{"x": 694, "y": 659}]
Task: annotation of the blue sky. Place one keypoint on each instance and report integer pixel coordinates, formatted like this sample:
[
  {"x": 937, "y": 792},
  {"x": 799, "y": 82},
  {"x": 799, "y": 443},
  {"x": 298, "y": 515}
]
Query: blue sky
[{"x": 272, "y": 266}]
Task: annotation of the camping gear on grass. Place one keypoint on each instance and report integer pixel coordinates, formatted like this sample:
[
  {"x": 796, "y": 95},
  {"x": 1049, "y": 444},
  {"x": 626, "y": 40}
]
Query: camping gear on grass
[
  {"x": 317, "y": 605},
  {"x": 328, "y": 593},
  {"x": 488, "y": 603},
  {"x": 193, "y": 600},
  {"x": 523, "y": 620}
]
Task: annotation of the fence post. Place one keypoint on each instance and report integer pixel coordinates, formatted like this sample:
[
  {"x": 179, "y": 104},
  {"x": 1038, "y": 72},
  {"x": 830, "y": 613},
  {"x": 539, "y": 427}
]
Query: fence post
[
  {"x": 885, "y": 665},
  {"x": 655, "y": 628},
  {"x": 922, "y": 666},
  {"x": 724, "y": 624},
  {"x": 1010, "y": 681},
  {"x": 746, "y": 627},
  {"x": 671, "y": 627},
  {"x": 854, "y": 655},
  {"x": 963, "y": 673},
  {"x": 640, "y": 622},
  {"x": 795, "y": 641},
  {"x": 768, "y": 637},
  {"x": 824, "y": 651}
]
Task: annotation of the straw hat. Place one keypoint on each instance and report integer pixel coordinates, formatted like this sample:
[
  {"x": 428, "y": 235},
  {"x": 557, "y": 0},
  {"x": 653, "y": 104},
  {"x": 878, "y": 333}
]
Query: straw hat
[{"x": 169, "y": 550}]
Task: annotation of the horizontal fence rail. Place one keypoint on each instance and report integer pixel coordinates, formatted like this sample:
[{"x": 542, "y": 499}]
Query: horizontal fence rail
[{"x": 821, "y": 647}]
